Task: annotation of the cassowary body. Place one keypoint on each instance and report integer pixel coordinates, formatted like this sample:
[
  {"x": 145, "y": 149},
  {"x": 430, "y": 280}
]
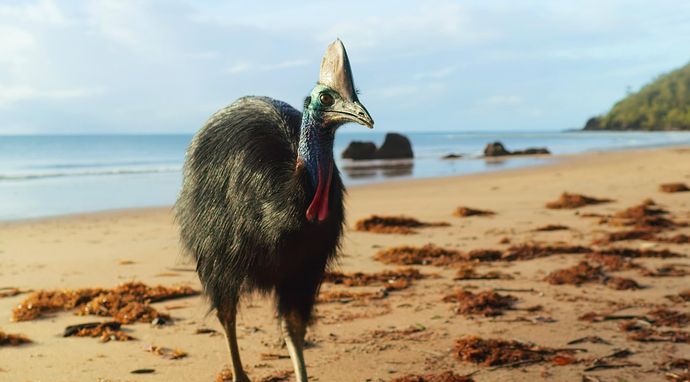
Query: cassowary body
[{"x": 261, "y": 208}]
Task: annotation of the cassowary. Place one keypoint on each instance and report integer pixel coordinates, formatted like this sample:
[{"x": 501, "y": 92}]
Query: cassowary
[{"x": 261, "y": 206}]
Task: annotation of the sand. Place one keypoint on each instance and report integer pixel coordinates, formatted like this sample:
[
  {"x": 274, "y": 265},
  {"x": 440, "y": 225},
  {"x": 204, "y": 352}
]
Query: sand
[{"x": 366, "y": 340}]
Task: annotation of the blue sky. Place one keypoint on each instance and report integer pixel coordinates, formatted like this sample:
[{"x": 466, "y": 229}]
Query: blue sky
[{"x": 115, "y": 66}]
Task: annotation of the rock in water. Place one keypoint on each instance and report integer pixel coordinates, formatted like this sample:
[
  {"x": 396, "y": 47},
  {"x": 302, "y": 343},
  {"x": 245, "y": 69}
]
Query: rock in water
[
  {"x": 359, "y": 150},
  {"x": 495, "y": 149},
  {"x": 395, "y": 146}
]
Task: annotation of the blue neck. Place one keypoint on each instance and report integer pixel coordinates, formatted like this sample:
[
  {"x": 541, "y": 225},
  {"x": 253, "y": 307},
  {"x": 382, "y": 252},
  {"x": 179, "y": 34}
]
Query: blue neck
[{"x": 315, "y": 145}]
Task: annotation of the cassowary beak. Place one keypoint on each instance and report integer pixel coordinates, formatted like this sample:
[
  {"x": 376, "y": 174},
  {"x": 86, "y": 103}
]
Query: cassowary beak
[{"x": 337, "y": 74}]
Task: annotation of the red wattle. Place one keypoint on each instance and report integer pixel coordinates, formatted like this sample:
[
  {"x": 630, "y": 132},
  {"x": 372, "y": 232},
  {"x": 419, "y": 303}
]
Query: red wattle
[{"x": 318, "y": 208}]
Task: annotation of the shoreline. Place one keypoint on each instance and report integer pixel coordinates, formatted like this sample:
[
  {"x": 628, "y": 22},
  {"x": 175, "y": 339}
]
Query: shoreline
[
  {"x": 368, "y": 337},
  {"x": 557, "y": 161}
]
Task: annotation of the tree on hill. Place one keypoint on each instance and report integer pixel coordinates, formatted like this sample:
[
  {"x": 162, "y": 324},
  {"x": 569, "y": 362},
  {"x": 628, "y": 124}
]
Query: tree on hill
[{"x": 663, "y": 104}]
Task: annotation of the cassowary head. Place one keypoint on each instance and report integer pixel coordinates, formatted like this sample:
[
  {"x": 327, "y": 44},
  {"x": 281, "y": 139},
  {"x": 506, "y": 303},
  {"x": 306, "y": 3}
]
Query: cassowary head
[{"x": 334, "y": 97}]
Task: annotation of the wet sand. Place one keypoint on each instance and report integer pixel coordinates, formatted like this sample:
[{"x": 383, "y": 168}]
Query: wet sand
[{"x": 360, "y": 340}]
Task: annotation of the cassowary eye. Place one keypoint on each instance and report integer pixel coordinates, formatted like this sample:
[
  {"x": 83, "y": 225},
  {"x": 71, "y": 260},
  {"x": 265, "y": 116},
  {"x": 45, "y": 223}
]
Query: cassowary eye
[{"x": 326, "y": 99}]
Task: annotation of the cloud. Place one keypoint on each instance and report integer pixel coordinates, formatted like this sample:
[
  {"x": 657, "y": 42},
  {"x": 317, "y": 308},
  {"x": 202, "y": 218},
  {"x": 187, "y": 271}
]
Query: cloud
[
  {"x": 501, "y": 100},
  {"x": 435, "y": 74},
  {"x": 242, "y": 67},
  {"x": 40, "y": 12},
  {"x": 10, "y": 95}
]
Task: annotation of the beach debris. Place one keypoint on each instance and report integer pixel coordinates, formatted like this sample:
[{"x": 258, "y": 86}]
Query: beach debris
[
  {"x": 581, "y": 273},
  {"x": 413, "y": 332},
  {"x": 612, "y": 361},
  {"x": 143, "y": 371},
  {"x": 346, "y": 296},
  {"x": 394, "y": 224},
  {"x": 645, "y": 331},
  {"x": 166, "y": 353},
  {"x": 678, "y": 377},
  {"x": 390, "y": 280},
  {"x": 639, "y": 253},
  {"x": 633, "y": 234},
  {"x": 680, "y": 238},
  {"x": 674, "y": 187},
  {"x": 106, "y": 331},
  {"x": 552, "y": 227},
  {"x": 273, "y": 356},
  {"x": 487, "y": 303},
  {"x": 683, "y": 296},
  {"x": 205, "y": 331},
  {"x": 225, "y": 375},
  {"x": 11, "y": 291},
  {"x": 667, "y": 317},
  {"x": 647, "y": 208},
  {"x": 585, "y": 272},
  {"x": 127, "y": 303},
  {"x": 590, "y": 340},
  {"x": 612, "y": 262},
  {"x": 447, "y": 376},
  {"x": 534, "y": 251},
  {"x": 498, "y": 352},
  {"x": 600, "y": 317},
  {"x": 621, "y": 283},
  {"x": 278, "y": 376},
  {"x": 7, "y": 339},
  {"x": 469, "y": 272},
  {"x": 428, "y": 254},
  {"x": 670, "y": 270},
  {"x": 569, "y": 201},
  {"x": 463, "y": 212}
]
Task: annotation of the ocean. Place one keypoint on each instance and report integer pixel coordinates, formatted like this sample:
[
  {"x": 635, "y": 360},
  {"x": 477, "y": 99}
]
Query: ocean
[{"x": 54, "y": 175}]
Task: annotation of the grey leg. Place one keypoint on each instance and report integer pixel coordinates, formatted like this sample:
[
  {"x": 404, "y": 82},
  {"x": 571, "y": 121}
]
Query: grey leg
[
  {"x": 294, "y": 329},
  {"x": 227, "y": 316}
]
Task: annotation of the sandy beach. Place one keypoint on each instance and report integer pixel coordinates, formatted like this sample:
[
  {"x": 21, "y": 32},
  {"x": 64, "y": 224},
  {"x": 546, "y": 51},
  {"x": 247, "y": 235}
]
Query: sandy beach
[{"x": 408, "y": 331}]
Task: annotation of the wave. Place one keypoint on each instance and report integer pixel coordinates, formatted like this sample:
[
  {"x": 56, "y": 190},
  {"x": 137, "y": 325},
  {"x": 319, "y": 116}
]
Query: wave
[{"x": 99, "y": 172}]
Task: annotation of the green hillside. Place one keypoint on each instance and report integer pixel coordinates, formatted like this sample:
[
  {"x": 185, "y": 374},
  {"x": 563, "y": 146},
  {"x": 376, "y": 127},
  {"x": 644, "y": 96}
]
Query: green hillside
[{"x": 664, "y": 104}]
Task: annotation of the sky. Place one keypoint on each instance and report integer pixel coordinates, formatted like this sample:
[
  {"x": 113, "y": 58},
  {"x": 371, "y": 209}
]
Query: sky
[{"x": 163, "y": 66}]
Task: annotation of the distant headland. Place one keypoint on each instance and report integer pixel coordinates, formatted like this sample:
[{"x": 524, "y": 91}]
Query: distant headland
[{"x": 662, "y": 105}]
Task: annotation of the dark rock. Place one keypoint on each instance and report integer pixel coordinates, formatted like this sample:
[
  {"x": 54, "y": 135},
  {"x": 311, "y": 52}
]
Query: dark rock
[
  {"x": 359, "y": 150},
  {"x": 452, "y": 156},
  {"x": 532, "y": 151},
  {"x": 495, "y": 149},
  {"x": 395, "y": 146}
]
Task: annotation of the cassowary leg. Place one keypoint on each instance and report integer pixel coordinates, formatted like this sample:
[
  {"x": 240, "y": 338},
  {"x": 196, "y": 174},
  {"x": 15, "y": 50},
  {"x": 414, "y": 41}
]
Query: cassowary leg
[
  {"x": 227, "y": 315},
  {"x": 294, "y": 329}
]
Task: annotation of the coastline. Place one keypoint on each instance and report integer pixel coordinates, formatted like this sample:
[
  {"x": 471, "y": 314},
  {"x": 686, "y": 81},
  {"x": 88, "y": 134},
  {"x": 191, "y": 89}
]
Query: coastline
[{"x": 103, "y": 249}]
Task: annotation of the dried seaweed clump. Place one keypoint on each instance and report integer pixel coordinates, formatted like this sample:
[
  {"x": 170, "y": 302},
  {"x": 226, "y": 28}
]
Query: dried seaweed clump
[
  {"x": 393, "y": 224},
  {"x": 105, "y": 331},
  {"x": 570, "y": 201},
  {"x": 469, "y": 272},
  {"x": 428, "y": 254},
  {"x": 9, "y": 292},
  {"x": 683, "y": 296},
  {"x": 127, "y": 303},
  {"x": 166, "y": 353},
  {"x": 7, "y": 339},
  {"x": 42, "y": 302},
  {"x": 448, "y": 376},
  {"x": 643, "y": 331},
  {"x": 673, "y": 187},
  {"x": 463, "y": 212},
  {"x": 552, "y": 227},
  {"x": 534, "y": 251},
  {"x": 496, "y": 352},
  {"x": 612, "y": 262},
  {"x": 225, "y": 375},
  {"x": 390, "y": 280},
  {"x": 635, "y": 253},
  {"x": 579, "y": 274},
  {"x": 345, "y": 296},
  {"x": 486, "y": 303},
  {"x": 621, "y": 283}
]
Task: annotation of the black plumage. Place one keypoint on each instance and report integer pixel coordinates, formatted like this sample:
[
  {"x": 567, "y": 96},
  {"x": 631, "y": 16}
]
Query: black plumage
[{"x": 261, "y": 206}]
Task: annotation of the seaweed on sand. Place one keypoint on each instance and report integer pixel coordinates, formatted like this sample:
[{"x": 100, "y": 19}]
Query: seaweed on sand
[
  {"x": 570, "y": 201},
  {"x": 497, "y": 352},
  {"x": 390, "y": 280},
  {"x": 393, "y": 224},
  {"x": 463, "y": 212},
  {"x": 486, "y": 303}
]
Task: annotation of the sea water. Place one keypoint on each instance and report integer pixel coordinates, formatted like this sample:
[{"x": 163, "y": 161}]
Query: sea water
[{"x": 54, "y": 175}]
